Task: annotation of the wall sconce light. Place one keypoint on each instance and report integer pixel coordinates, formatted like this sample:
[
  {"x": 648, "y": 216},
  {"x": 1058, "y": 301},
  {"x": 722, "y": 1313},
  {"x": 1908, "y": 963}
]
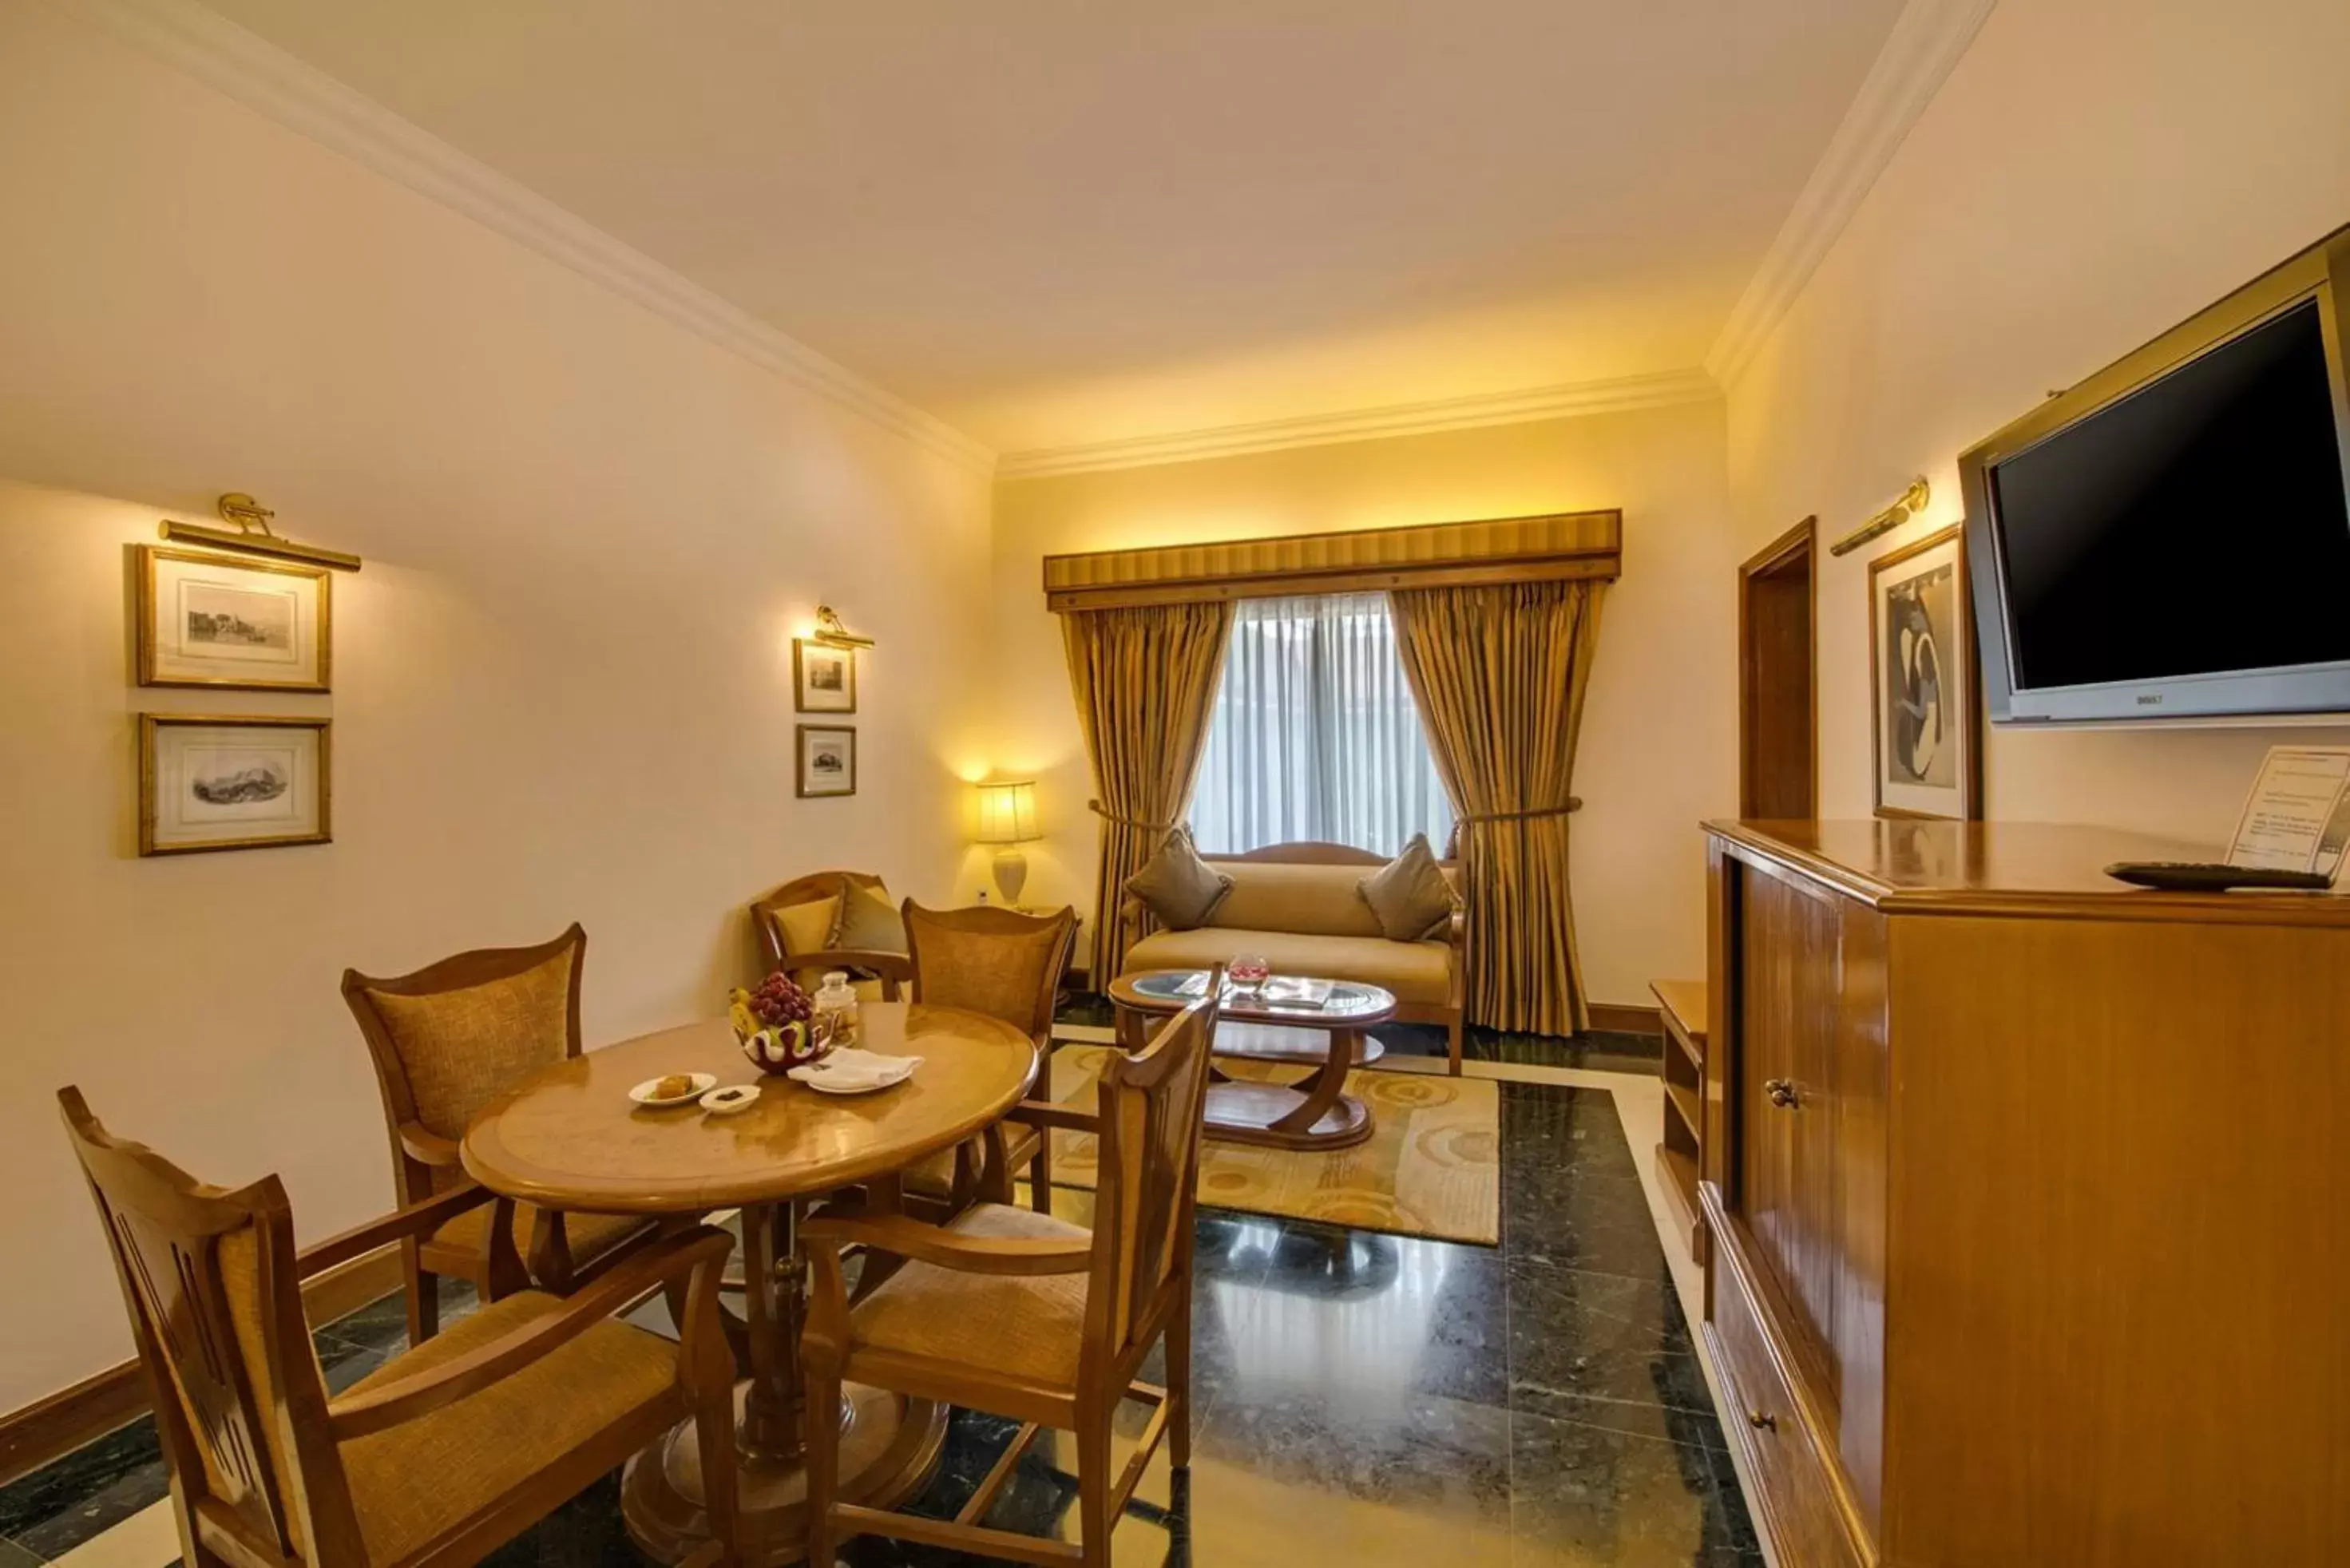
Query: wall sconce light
[
  {"x": 1913, "y": 501},
  {"x": 1008, "y": 815},
  {"x": 830, "y": 633},
  {"x": 253, "y": 536}
]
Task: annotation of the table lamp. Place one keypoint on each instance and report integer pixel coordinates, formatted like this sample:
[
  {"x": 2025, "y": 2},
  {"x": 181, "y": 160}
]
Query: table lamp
[{"x": 1008, "y": 815}]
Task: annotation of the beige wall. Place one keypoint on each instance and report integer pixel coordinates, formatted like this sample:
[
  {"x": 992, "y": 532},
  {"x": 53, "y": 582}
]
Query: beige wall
[
  {"x": 1659, "y": 747},
  {"x": 2089, "y": 176},
  {"x": 563, "y": 681}
]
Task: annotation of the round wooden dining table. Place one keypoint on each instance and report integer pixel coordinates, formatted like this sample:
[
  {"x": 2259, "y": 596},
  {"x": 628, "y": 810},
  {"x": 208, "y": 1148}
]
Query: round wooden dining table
[{"x": 568, "y": 1138}]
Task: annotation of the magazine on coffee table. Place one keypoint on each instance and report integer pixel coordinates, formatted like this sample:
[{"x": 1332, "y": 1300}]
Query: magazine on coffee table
[{"x": 1296, "y": 991}]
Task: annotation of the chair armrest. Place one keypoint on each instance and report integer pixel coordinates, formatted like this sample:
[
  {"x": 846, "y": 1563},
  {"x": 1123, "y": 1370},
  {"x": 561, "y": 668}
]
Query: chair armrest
[
  {"x": 1045, "y": 1114},
  {"x": 1456, "y": 929},
  {"x": 425, "y": 1147},
  {"x": 404, "y": 1399},
  {"x": 948, "y": 1249},
  {"x": 416, "y": 1220}
]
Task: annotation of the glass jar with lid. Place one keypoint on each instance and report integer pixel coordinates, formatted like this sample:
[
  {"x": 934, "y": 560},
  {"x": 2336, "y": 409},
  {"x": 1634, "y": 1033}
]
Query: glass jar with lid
[{"x": 836, "y": 1009}]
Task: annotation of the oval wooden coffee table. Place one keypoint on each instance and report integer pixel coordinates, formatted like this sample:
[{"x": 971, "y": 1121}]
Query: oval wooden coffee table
[
  {"x": 1315, "y": 1113},
  {"x": 569, "y": 1138}
]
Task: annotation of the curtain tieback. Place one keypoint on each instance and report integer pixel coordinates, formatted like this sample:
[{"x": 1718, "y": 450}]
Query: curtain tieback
[
  {"x": 1572, "y": 803},
  {"x": 1099, "y": 809}
]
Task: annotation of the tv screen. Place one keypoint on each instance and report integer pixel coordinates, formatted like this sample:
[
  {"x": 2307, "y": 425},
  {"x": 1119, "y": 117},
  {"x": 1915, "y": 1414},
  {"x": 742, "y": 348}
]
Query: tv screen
[{"x": 2195, "y": 526}]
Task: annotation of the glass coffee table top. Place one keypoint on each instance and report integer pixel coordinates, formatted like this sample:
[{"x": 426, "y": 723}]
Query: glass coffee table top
[{"x": 1293, "y": 999}]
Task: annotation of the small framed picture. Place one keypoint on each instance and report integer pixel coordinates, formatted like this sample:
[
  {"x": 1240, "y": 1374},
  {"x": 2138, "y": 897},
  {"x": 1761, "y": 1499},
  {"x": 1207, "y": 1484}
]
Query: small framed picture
[
  {"x": 232, "y": 784},
  {"x": 207, "y": 620},
  {"x": 824, "y": 677},
  {"x": 827, "y": 763},
  {"x": 1924, "y": 710}
]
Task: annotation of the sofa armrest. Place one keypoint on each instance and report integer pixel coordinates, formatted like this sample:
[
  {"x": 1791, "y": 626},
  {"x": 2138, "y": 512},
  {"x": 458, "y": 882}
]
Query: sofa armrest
[{"x": 1456, "y": 936}]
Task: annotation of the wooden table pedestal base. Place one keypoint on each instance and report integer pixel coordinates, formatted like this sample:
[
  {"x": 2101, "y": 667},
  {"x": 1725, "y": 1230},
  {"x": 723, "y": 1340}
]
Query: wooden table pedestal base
[
  {"x": 1313, "y": 1113},
  {"x": 888, "y": 1445},
  {"x": 1277, "y": 1117}
]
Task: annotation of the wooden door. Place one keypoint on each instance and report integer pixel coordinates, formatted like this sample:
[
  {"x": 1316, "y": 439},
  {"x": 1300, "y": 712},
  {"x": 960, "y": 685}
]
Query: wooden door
[
  {"x": 1789, "y": 1019},
  {"x": 1778, "y": 690}
]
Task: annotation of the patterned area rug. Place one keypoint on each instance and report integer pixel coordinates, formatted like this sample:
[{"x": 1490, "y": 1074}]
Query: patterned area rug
[{"x": 1432, "y": 1166}]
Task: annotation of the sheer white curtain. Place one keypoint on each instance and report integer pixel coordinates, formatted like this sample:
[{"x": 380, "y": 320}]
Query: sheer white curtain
[{"x": 1315, "y": 733}]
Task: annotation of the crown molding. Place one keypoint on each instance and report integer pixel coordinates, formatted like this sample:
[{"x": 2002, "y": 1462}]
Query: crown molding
[
  {"x": 1618, "y": 395},
  {"x": 283, "y": 88},
  {"x": 1927, "y": 41}
]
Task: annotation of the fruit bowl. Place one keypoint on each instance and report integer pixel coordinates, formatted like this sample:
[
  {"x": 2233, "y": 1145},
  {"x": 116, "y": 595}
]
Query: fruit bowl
[{"x": 776, "y": 1025}]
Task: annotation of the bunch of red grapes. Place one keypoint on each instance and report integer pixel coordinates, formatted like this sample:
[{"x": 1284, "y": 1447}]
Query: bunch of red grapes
[{"x": 780, "y": 1001}]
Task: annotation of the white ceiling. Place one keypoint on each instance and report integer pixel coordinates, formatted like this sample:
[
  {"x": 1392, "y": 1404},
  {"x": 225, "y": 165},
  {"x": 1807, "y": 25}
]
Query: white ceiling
[{"x": 1061, "y": 222}]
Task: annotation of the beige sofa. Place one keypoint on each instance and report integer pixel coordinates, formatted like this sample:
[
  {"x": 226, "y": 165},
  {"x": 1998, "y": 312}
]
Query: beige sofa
[{"x": 1297, "y": 907}]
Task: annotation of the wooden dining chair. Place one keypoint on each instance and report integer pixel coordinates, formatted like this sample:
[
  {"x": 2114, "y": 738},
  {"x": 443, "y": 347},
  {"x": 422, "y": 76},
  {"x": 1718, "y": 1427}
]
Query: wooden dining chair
[
  {"x": 1026, "y": 1315},
  {"x": 795, "y": 925},
  {"x": 446, "y": 1041},
  {"x": 440, "y": 1455},
  {"x": 1006, "y": 965}
]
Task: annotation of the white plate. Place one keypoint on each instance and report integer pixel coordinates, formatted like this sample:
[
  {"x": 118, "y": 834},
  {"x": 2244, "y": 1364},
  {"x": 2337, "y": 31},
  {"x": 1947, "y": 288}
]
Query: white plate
[
  {"x": 836, "y": 1082},
  {"x": 643, "y": 1093},
  {"x": 730, "y": 1102}
]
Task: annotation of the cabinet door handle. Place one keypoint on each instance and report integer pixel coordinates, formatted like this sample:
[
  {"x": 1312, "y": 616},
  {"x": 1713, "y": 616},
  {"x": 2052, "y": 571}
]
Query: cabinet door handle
[
  {"x": 1761, "y": 1421},
  {"x": 1781, "y": 1092}
]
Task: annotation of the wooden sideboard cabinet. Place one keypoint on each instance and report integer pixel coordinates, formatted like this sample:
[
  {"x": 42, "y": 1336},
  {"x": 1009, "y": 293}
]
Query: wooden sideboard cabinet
[{"x": 2025, "y": 1192}]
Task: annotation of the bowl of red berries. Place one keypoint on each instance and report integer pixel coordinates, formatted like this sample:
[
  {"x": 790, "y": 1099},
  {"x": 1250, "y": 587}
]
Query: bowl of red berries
[{"x": 776, "y": 1025}]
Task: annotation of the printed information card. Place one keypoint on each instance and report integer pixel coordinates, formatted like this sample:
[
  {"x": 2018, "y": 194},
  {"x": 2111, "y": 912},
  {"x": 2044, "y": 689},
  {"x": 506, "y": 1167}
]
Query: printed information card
[{"x": 2297, "y": 818}]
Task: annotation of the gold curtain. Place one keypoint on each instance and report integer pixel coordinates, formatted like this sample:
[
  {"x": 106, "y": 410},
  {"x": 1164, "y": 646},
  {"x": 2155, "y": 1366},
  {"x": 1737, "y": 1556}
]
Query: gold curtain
[
  {"x": 1500, "y": 673},
  {"x": 1145, "y": 678}
]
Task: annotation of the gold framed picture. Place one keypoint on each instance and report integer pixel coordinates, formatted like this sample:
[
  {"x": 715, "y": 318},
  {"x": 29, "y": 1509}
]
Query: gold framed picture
[
  {"x": 207, "y": 620},
  {"x": 823, "y": 679},
  {"x": 827, "y": 760},
  {"x": 1925, "y": 713},
  {"x": 208, "y": 782}
]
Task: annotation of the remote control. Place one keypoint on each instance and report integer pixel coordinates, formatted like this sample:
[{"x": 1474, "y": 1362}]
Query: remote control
[{"x": 2199, "y": 876}]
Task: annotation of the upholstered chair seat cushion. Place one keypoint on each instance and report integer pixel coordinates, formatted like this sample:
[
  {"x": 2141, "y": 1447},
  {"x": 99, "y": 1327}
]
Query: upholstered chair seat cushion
[
  {"x": 460, "y": 1047},
  {"x": 933, "y": 1175},
  {"x": 588, "y": 1236},
  {"x": 1177, "y": 885},
  {"x": 1029, "y": 1327},
  {"x": 412, "y": 1481},
  {"x": 1409, "y": 894},
  {"x": 1414, "y": 972}
]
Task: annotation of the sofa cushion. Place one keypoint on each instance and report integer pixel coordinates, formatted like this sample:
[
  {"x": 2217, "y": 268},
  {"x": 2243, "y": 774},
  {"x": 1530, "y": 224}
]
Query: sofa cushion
[
  {"x": 1179, "y": 888},
  {"x": 1286, "y": 895},
  {"x": 1416, "y": 972},
  {"x": 1409, "y": 894}
]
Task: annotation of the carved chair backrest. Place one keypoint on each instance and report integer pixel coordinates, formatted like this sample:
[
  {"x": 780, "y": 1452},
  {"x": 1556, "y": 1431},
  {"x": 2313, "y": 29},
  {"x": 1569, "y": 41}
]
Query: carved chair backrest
[
  {"x": 986, "y": 960},
  {"x": 453, "y": 1035},
  {"x": 1151, "y": 1108},
  {"x": 208, "y": 1278}
]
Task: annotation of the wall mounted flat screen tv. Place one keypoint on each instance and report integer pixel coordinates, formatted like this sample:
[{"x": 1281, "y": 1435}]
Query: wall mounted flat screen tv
[{"x": 2171, "y": 538}]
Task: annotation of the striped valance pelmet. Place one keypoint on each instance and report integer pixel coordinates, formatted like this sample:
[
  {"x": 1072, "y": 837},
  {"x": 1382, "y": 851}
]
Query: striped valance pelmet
[{"x": 1560, "y": 546}]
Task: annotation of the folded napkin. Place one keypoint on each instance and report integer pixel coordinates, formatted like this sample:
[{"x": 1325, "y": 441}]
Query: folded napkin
[{"x": 849, "y": 1068}]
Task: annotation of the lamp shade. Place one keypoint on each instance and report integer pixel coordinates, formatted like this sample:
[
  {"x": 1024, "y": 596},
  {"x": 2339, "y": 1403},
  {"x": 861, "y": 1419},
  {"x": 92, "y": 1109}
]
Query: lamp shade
[{"x": 1007, "y": 811}]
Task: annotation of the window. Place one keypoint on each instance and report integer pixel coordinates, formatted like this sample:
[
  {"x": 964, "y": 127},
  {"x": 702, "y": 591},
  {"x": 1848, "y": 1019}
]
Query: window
[{"x": 1315, "y": 735}]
